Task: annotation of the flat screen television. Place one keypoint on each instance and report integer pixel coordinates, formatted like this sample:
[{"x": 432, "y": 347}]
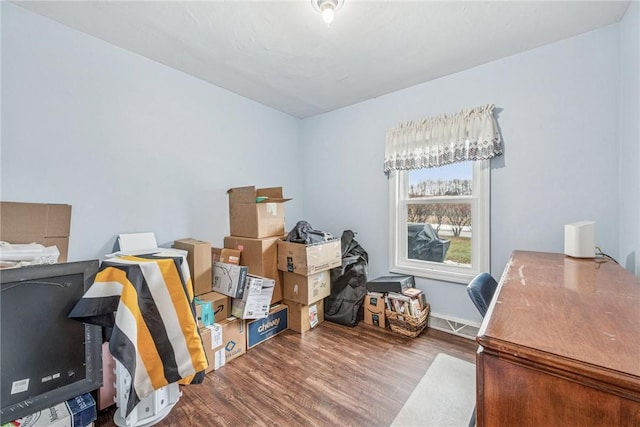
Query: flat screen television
[{"x": 45, "y": 357}]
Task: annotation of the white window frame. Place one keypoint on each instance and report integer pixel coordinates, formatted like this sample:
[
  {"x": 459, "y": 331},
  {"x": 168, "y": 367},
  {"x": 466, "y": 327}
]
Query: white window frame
[{"x": 480, "y": 211}]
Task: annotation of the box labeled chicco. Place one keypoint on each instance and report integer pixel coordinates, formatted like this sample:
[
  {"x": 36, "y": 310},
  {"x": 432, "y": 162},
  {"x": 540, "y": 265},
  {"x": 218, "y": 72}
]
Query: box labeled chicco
[{"x": 258, "y": 331}]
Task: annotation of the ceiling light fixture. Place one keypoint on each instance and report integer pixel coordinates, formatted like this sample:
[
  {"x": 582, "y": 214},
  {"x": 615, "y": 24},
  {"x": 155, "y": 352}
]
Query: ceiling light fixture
[{"x": 327, "y": 8}]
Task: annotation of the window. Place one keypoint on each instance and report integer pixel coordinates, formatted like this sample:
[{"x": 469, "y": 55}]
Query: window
[{"x": 440, "y": 221}]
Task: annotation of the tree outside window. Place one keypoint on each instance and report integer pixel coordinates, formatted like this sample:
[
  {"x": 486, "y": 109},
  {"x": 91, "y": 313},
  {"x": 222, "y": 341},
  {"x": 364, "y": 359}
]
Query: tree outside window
[{"x": 440, "y": 221}]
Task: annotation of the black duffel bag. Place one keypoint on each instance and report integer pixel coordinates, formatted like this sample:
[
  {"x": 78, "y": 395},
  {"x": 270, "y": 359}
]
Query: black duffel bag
[{"x": 348, "y": 284}]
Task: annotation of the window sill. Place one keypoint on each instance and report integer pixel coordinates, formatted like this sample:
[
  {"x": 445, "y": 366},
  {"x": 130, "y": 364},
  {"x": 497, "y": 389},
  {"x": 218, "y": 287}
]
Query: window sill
[{"x": 434, "y": 274}]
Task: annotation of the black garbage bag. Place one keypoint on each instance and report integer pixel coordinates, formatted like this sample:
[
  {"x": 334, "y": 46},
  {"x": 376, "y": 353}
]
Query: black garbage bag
[
  {"x": 304, "y": 233},
  {"x": 348, "y": 284},
  {"x": 425, "y": 244}
]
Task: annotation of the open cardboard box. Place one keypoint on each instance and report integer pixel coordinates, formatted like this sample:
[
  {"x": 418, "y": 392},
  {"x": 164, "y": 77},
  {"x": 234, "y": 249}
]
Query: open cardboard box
[
  {"x": 304, "y": 259},
  {"x": 257, "y": 212}
]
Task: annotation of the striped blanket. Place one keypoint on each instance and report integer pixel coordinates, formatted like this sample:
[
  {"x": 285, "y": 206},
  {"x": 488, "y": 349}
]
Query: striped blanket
[{"x": 147, "y": 300}]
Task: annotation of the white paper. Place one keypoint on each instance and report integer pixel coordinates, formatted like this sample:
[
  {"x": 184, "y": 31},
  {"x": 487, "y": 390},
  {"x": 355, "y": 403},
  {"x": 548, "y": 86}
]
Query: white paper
[
  {"x": 20, "y": 386},
  {"x": 159, "y": 252},
  {"x": 313, "y": 315},
  {"x": 272, "y": 209},
  {"x": 220, "y": 359},
  {"x": 137, "y": 241},
  {"x": 216, "y": 335}
]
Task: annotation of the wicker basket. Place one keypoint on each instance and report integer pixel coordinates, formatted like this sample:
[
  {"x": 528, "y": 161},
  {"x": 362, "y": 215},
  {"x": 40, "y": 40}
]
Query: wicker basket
[{"x": 409, "y": 326}]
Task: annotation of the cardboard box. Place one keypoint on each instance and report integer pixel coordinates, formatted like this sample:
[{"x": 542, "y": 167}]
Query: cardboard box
[
  {"x": 220, "y": 304},
  {"x": 309, "y": 259},
  {"x": 234, "y": 341},
  {"x": 374, "y": 309},
  {"x": 260, "y": 256},
  {"x": 212, "y": 342},
  {"x": 255, "y": 212},
  {"x": 79, "y": 411},
  {"x": 306, "y": 289},
  {"x": 199, "y": 260},
  {"x": 204, "y": 312},
  {"x": 46, "y": 224},
  {"x": 395, "y": 283},
  {"x": 256, "y": 299},
  {"x": 228, "y": 256},
  {"x": 260, "y": 330},
  {"x": 303, "y": 318},
  {"x": 229, "y": 279}
]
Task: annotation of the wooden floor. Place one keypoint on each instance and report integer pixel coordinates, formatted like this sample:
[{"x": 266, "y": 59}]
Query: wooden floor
[{"x": 331, "y": 376}]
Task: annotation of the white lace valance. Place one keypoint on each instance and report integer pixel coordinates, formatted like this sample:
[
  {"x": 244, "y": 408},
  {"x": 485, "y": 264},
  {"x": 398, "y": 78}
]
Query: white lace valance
[{"x": 437, "y": 141}]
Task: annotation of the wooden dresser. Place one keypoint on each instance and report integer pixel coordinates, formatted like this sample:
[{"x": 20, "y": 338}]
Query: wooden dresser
[{"x": 560, "y": 345}]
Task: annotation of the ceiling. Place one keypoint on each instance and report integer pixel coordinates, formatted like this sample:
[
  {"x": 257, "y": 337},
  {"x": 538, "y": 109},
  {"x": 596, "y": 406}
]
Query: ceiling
[{"x": 281, "y": 53}]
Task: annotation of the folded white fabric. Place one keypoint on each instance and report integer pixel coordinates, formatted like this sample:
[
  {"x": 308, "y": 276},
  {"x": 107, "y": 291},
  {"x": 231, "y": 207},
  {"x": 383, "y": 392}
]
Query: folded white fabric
[{"x": 30, "y": 253}]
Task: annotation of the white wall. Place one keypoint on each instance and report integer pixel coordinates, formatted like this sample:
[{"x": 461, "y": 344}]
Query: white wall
[
  {"x": 630, "y": 139},
  {"x": 132, "y": 144},
  {"x": 559, "y": 122}
]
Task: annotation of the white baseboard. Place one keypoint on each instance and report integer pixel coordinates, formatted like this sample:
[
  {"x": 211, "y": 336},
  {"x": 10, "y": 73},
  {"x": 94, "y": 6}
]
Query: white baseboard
[{"x": 452, "y": 325}]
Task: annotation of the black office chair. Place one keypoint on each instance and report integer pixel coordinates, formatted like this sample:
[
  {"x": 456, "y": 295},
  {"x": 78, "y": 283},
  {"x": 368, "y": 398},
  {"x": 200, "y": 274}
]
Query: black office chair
[{"x": 481, "y": 290}]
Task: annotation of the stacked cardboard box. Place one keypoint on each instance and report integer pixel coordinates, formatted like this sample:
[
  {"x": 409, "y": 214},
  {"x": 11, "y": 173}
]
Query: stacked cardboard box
[
  {"x": 375, "y": 301},
  {"x": 212, "y": 342},
  {"x": 260, "y": 257},
  {"x": 216, "y": 304},
  {"x": 261, "y": 330},
  {"x": 256, "y": 219},
  {"x": 307, "y": 280},
  {"x": 228, "y": 256},
  {"x": 306, "y": 289},
  {"x": 229, "y": 279},
  {"x": 79, "y": 411},
  {"x": 396, "y": 294},
  {"x": 250, "y": 295},
  {"x": 256, "y": 299},
  {"x": 224, "y": 341},
  {"x": 374, "y": 305},
  {"x": 309, "y": 259},
  {"x": 245, "y": 272},
  {"x": 199, "y": 260},
  {"x": 215, "y": 284},
  {"x": 256, "y": 213},
  {"x": 304, "y": 317}
]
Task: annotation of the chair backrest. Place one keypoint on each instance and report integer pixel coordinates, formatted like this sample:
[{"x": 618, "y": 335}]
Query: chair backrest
[{"x": 481, "y": 290}]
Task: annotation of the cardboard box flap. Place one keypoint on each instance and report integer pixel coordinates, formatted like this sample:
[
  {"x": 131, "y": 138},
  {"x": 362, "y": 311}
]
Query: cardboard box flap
[
  {"x": 273, "y": 195},
  {"x": 272, "y": 200},
  {"x": 252, "y": 195},
  {"x": 192, "y": 241},
  {"x": 242, "y": 194}
]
